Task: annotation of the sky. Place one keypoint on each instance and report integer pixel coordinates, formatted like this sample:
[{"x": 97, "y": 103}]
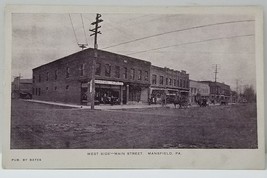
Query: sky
[{"x": 192, "y": 42}]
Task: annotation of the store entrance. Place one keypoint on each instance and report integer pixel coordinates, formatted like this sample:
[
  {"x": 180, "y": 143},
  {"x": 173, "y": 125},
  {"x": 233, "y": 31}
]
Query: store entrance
[{"x": 107, "y": 94}]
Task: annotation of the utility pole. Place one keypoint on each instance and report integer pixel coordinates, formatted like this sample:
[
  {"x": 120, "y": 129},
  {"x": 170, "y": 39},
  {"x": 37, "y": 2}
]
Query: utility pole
[
  {"x": 95, "y": 32},
  {"x": 216, "y": 72}
]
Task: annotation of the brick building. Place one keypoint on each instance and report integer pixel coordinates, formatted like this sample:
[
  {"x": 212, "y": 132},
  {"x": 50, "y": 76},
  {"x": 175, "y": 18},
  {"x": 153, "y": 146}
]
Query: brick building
[
  {"x": 198, "y": 90},
  {"x": 21, "y": 88},
  {"x": 169, "y": 82},
  {"x": 218, "y": 91},
  {"x": 68, "y": 79}
]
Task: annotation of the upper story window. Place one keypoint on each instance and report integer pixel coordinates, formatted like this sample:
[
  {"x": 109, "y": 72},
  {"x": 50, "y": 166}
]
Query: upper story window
[
  {"x": 47, "y": 76},
  {"x": 82, "y": 69},
  {"x": 178, "y": 83},
  {"x": 125, "y": 73},
  {"x": 132, "y": 74},
  {"x": 67, "y": 72},
  {"x": 117, "y": 71},
  {"x": 181, "y": 83},
  {"x": 107, "y": 70},
  {"x": 154, "y": 79},
  {"x": 161, "y": 80},
  {"x": 139, "y": 75},
  {"x": 170, "y": 81},
  {"x": 167, "y": 81},
  {"x": 56, "y": 73},
  {"x": 98, "y": 69},
  {"x": 146, "y": 76},
  {"x": 174, "y": 82},
  {"x": 33, "y": 79},
  {"x": 40, "y": 78}
]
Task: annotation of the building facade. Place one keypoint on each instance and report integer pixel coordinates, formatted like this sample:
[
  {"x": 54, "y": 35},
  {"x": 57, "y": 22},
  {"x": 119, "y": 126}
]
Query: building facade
[
  {"x": 21, "y": 88},
  {"x": 218, "y": 91},
  {"x": 198, "y": 91},
  {"x": 118, "y": 78},
  {"x": 168, "y": 83}
]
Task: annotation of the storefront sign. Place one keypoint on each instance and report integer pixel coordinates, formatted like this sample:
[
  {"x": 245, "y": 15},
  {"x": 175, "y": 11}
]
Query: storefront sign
[{"x": 104, "y": 82}]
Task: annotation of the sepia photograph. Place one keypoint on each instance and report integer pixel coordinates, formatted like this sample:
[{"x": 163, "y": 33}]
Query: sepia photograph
[{"x": 144, "y": 80}]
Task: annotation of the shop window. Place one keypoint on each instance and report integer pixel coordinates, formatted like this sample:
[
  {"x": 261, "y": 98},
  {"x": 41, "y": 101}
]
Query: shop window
[
  {"x": 161, "y": 80},
  {"x": 154, "y": 79},
  {"x": 132, "y": 74},
  {"x": 107, "y": 70},
  {"x": 125, "y": 73},
  {"x": 139, "y": 75},
  {"x": 98, "y": 69},
  {"x": 146, "y": 75},
  {"x": 55, "y": 74},
  {"x": 47, "y": 76},
  {"x": 82, "y": 68},
  {"x": 117, "y": 71},
  {"x": 67, "y": 72}
]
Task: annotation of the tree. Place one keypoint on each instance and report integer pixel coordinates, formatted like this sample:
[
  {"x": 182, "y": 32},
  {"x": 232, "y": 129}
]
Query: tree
[{"x": 249, "y": 94}]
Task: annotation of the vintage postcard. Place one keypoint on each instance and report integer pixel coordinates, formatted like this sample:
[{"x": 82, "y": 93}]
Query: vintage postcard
[{"x": 134, "y": 87}]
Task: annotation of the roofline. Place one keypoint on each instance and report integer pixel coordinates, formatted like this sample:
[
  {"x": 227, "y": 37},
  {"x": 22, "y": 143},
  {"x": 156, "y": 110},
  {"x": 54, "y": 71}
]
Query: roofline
[{"x": 86, "y": 50}]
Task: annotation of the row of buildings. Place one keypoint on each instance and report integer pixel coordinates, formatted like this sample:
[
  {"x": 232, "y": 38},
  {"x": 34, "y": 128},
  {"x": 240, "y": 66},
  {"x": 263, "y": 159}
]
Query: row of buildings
[{"x": 123, "y": 79}]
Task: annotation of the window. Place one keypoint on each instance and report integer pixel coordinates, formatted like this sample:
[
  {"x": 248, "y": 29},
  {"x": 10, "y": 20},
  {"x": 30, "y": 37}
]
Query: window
[
  {"x": 146, "y": 75},
  {"x": 46, "y": 88},
  {"x": 40, "y": 78},
  {"x": 125, "y": 72},
  {"x": 55, "y": 74},
  {"x": 67, "y": 72},
  {"x": 132, "y": 74},
  {"x": 107, "y": 70},
  {"x": 174, "y": 82},
  {"x": 181, "y": 82},
  {"x": 67, "y": 87},
  {"x": 117, "y": 71},
  {"x": 82, "y": 69},
  {"x": 154, "y": 79},
  {"x": 167, "y": 80},
  {"x": 39, "y": 91},
  {"x": 139, "y": 75},
  {"x": 184, "y": 85},
  {"x": 98, "y": 69},
  {"x": 161, "y": 80},
  {"x": 33, "y": 79},
  {"x": 55, "y": 87},
  {"x": 32, "y": 91},
  {"x": 36, "y": 91},
  {"x": 178, "y": 84},
  {"x": 170, "y": 81},
  {"x": 47, "y": 76}
]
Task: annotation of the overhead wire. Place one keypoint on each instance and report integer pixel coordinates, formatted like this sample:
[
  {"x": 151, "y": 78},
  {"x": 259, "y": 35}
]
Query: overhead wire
[
  {"x": 73, "y": 30},
  {"x": 84, "y": 30},
  {"x": 188, "y": 43},
  {"x": 179, "y": 30}
]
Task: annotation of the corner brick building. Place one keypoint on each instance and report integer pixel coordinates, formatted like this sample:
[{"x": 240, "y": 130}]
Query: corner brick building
[{"x": 68, "y": 79}]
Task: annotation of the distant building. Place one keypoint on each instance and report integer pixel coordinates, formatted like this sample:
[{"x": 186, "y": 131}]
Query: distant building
[
  {"x": 21, "y": 88},
  {"x": 218, "y": 91},
  {"x": 68, "y": 80},
  {"x": 198, "y": 90},
  {"x": 168, "y": 83}
]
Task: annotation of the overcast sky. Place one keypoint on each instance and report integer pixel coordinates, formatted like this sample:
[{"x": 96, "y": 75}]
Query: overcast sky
[{"x": 227, "y": 40}]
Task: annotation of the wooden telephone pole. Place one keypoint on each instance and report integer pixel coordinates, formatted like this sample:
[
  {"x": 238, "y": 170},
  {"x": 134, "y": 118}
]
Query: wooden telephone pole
[{"x": 95, "y": 32}]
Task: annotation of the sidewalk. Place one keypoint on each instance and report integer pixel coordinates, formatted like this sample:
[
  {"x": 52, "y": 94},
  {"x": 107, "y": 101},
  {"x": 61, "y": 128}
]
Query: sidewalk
[
  {"x": 100, "y": 107},
  {"x": 113, "y": 107}
]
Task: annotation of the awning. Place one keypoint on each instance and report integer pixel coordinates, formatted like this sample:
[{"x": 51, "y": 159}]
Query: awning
[{"x": 106, "y": 82}]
